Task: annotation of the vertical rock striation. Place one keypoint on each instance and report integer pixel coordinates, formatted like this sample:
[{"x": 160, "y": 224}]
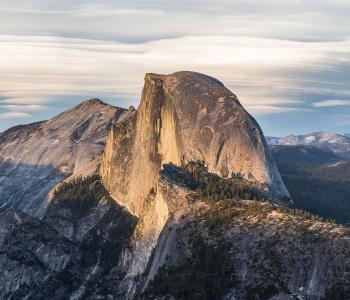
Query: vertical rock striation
[{"x": 182, "y": 117}]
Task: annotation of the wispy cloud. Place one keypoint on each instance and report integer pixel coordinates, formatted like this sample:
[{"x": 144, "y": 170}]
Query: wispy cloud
[
  {"x": 273, "y": 109},
  {"x": 279, "y": 57},
  {"x": 16, "y": 107},
  {"x": 14, "y": 114},
  {"x": 332, "y": 102}
]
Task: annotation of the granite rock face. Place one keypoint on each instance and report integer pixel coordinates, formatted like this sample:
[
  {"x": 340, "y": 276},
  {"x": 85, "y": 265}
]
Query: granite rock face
[
  {"x": 72, "y": 253},
  {"x": 248, "y": 250},
  {"x": 36, "y": 157},
  {"x": 89, "y": 247},
  {"x": 182, "y": 117},
  {"x": 185, "y": 117},
  {"x": 30, "y": 251}
]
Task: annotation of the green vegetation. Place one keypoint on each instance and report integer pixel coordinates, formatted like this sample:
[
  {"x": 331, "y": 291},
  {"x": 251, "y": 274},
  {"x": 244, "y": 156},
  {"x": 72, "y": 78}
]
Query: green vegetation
[
  {"x": 211, "y": 187},
  {"x": 80, "y": 194},
  {"x": 321, "y": 189},
  {"x": 306, "y": 214},
  {"x": 205, "y": 275}
]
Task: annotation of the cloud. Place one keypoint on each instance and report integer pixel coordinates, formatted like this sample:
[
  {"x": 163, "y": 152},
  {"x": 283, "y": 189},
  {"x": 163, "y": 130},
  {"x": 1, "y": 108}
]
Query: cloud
[
  {"x": 279, "y": 57},
  {"x": 268, "y": 75},
  {"x": 14, "y": 114},
  {"x": 333, "y": 102},
  {"x": 258, "y": 109},
  {"x": 16, "y": 107}
]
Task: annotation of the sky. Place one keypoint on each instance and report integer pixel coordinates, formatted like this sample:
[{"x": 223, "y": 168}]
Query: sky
[{"x": 288, "y": 61}]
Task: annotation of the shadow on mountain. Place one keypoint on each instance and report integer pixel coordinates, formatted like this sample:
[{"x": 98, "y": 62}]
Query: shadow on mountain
[
  {"x": 317, "y": 180},
  {"x": 73, "y": 250},
  {"x": 26, "y": 186}
]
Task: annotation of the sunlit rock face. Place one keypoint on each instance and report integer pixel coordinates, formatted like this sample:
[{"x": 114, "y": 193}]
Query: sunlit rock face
[
  {"x": 36, "y": 157},
  {"x": 184, "y": 117}
]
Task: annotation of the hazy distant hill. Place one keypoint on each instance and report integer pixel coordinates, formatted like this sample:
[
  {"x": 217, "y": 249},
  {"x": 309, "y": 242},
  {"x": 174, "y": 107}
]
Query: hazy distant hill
[
  {"x": 317, "y": 179},
  {"x": 339, "y": 144},
  {"x": 301, "y": 154}
]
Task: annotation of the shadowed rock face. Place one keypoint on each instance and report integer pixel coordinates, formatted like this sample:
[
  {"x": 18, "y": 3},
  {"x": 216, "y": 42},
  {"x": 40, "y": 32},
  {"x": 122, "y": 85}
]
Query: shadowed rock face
[
  {"x": 36, "y": 157},
  {"x": 184, "y": 117},
  {"x": 87, "y": 247},
  {"x": 72, "y": 253}
]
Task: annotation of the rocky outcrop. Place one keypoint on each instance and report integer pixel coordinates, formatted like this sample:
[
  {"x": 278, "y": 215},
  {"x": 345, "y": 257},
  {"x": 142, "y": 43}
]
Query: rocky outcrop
[
  {"x": 248, "y": 250},
  {"x": 72, "y": 253},
  {"x": 30, "y": 251},
  {"x": 87, "y": 247},
  {"x": 184, "y": 117},
  {"x": 36, "y": 157}
]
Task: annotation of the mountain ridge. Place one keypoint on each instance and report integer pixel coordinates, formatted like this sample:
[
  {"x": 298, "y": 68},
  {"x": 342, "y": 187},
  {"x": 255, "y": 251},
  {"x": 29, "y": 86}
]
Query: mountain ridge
[
  {"x": 313, "y": 138},
  {"x": 35, "y": 157},
  {"x": 337, "y": 143}
]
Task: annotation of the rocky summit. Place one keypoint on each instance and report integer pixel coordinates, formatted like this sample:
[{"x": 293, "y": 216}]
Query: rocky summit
[
  {"x": 185, "y": 117},
  {"x": 186, "y": 203},
  {"x": 34, "y": 158}
]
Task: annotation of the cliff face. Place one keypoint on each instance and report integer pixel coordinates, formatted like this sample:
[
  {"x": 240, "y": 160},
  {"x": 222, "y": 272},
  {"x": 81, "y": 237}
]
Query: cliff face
[
  {"x": 36, "y": 157},
  {"x": 248, "y": 250},
  {"x": 185, "y": 117},
  {"x": 72, "y": 253},
  {"x": 182, "y": 117}
]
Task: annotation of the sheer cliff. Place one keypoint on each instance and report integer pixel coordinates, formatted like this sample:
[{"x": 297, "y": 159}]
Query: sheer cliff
[
  {"x": 182, "y": 117},
  {"x": 185, "y": 117}
]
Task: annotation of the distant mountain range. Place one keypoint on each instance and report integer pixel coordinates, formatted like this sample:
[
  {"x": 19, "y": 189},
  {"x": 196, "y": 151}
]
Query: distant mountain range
[
  {"x": 337, "y": 143},
  {"x": 316, "y": 170}
]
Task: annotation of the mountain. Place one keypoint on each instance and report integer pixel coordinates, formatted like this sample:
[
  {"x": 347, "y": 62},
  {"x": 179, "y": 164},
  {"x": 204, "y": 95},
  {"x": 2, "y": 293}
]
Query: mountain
[
  {"x": 209, "y": 248},
  {"x": 36, "y": 157},
  {"x": 339, "y": 144},
  {"x": 347, "y": 135},
  {"x": 185, "y": 117},
  {"x": 317, "y": 178},
  {"x": 315, "y": 168},
  {"x": 316, "y": 138},
  {"x": 303, "y": 154},
  {"x": 61, "y": 256},
  {"x": 188, "y": 204}
]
